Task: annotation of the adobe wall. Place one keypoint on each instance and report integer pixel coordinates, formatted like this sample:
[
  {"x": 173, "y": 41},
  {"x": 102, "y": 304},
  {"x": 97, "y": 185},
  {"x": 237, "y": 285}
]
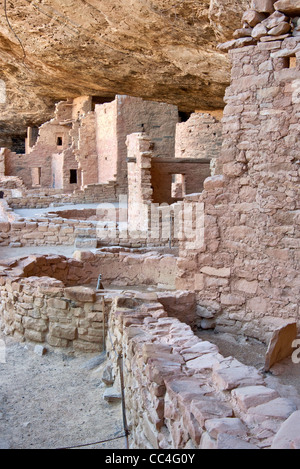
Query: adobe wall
[
  {"x": 107, "y": 144},
  {"x": 247, "y": 273},
  {"x": 85, "y": 148},
  {"x": 124, "y": 116},
  {"x": 199, "y": 137}
]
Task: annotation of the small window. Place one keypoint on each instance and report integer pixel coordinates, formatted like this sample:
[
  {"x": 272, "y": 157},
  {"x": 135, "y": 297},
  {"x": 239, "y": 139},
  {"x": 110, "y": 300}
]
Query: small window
[
  {"x": 59, "y": 141},
  {"x": 73, "y": 176}
]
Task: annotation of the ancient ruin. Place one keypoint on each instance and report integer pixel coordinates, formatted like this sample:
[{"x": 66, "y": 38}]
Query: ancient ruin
[{"x": 181, "y": 221}]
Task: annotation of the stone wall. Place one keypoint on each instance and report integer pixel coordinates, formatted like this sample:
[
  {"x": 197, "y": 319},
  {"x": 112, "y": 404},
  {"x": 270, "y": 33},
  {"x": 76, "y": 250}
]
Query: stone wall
[
  {"x": 53, "y": 300},
  {"x": 17, "y": 195},
  {"x": 199, "y": 137},
  {"x": 85, "y": 148},
  {"x": 152, "y": 217},
  {"x": 127, "y": 115},
  {"x": 107, "y": 141},
  {"x": 41, "y": 310},
  {"x": 247, "y": 273},
  {"x": 181, "y": 393}
]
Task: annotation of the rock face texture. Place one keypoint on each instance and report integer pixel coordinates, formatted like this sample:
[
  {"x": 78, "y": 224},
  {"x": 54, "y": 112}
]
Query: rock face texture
[{"x": 158, "y": 50}]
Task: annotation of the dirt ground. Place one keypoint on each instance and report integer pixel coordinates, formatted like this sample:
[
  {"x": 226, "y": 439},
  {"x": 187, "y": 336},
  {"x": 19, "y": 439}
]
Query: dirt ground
[{"x": 54, "y": 401}]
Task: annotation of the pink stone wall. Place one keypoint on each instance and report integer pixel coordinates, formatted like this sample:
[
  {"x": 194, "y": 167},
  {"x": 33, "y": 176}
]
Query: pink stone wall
[
  {"x": 247, "y": 273},
  {"x": 199, "y": 137},
  {"x": 124, "y": 116},
  {"x": 86, "y": 149},
  {"x": 107, "y": 145}
]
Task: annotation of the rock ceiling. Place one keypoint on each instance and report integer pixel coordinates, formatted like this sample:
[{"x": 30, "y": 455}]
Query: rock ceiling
[{"x": 161, "y": 50}]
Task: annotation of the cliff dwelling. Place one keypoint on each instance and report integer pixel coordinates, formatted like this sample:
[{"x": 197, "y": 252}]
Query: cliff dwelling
[{"x": 149, "y": 223}]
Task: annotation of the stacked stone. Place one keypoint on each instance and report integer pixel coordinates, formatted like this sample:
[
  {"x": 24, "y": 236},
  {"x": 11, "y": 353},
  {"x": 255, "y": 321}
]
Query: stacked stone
[
  {"x": 267, "y": 20},
  {"x": 181, "y": 393},
  {"x": 41, "y": 309}
]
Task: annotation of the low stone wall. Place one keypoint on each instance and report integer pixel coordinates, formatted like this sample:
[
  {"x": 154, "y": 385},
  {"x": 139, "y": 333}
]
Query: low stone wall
[
  {"x": 122, "y": 267},
  {"x": 181, "y": 393},
  {"x": 37, "y": 232},
  {"x": 53, "y": 299},
  {"x": 41, "y": 310},
  {"x": 17, "y": 196}
]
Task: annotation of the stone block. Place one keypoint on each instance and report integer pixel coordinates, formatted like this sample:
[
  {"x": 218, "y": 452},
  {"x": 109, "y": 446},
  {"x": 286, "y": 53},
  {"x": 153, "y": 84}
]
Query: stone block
[
  {"x": 280, "y": 345},
  {"x": 253, "y": 17},
  {"x": 205, "y": 362},
  {"x": 209, "y": 408},
  {"x": 61, "y": 331},
  {"x": 233, "y": 442},
  {"x": 80, "y": 293},
  {"x": 252, "y": 396},
  {"x": 279, "y": 408},
  {"x": 235, "y": 376},
  {"x": 263, "y": 6},
  {"x": 224, "y": 272},
  {"x": 288, "y": 436},
  {"x": 289, "y": 7},
  {"x": 56, "y": 303},
  {"x": 34, "y": 336},
  {"x": 229, "y": 426}
]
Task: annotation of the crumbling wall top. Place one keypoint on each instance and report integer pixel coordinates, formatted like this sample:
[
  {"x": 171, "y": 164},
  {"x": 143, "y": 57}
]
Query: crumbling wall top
[{"x": 266, "y": 21}]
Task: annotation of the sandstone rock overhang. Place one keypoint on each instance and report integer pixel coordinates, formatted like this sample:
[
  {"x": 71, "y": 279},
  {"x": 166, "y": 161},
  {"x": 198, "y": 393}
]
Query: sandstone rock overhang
[{"x": 156, "y": 50}]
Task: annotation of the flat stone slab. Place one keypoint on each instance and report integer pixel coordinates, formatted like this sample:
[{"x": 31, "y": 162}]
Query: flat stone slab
[
  {"x": 236, "y": 376},
  {"x": 233, "y": 442},
  {"x": 199, "y": 349},
  {"x": 252, "y": 396},
  {"x": 84, "y": 294},
  {"x": 279, "y": 408},
  {"x": 288, "y": 436},
  {"x": 112, "y": 395},
  {"x": 229, "y": 426},
  {"x": 209, "y": 408},
  {"x": 205, "y": 362}
]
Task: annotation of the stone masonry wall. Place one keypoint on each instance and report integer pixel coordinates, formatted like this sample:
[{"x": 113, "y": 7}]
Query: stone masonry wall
[
  {"x": 53, "y": 299},
  {"x": 247, "y": 273},
  {"x": 86, "y": 149},
  {"x": 181, "y": 393},
  {"x": 124, "y": 116},
  {"x": 199, "y": 137},
  {"x": 41, "y": 310}
]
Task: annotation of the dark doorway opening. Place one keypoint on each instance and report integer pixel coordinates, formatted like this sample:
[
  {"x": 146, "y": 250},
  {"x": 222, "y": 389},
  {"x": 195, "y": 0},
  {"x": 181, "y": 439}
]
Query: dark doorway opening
[{"x": 73, "y": 176}]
